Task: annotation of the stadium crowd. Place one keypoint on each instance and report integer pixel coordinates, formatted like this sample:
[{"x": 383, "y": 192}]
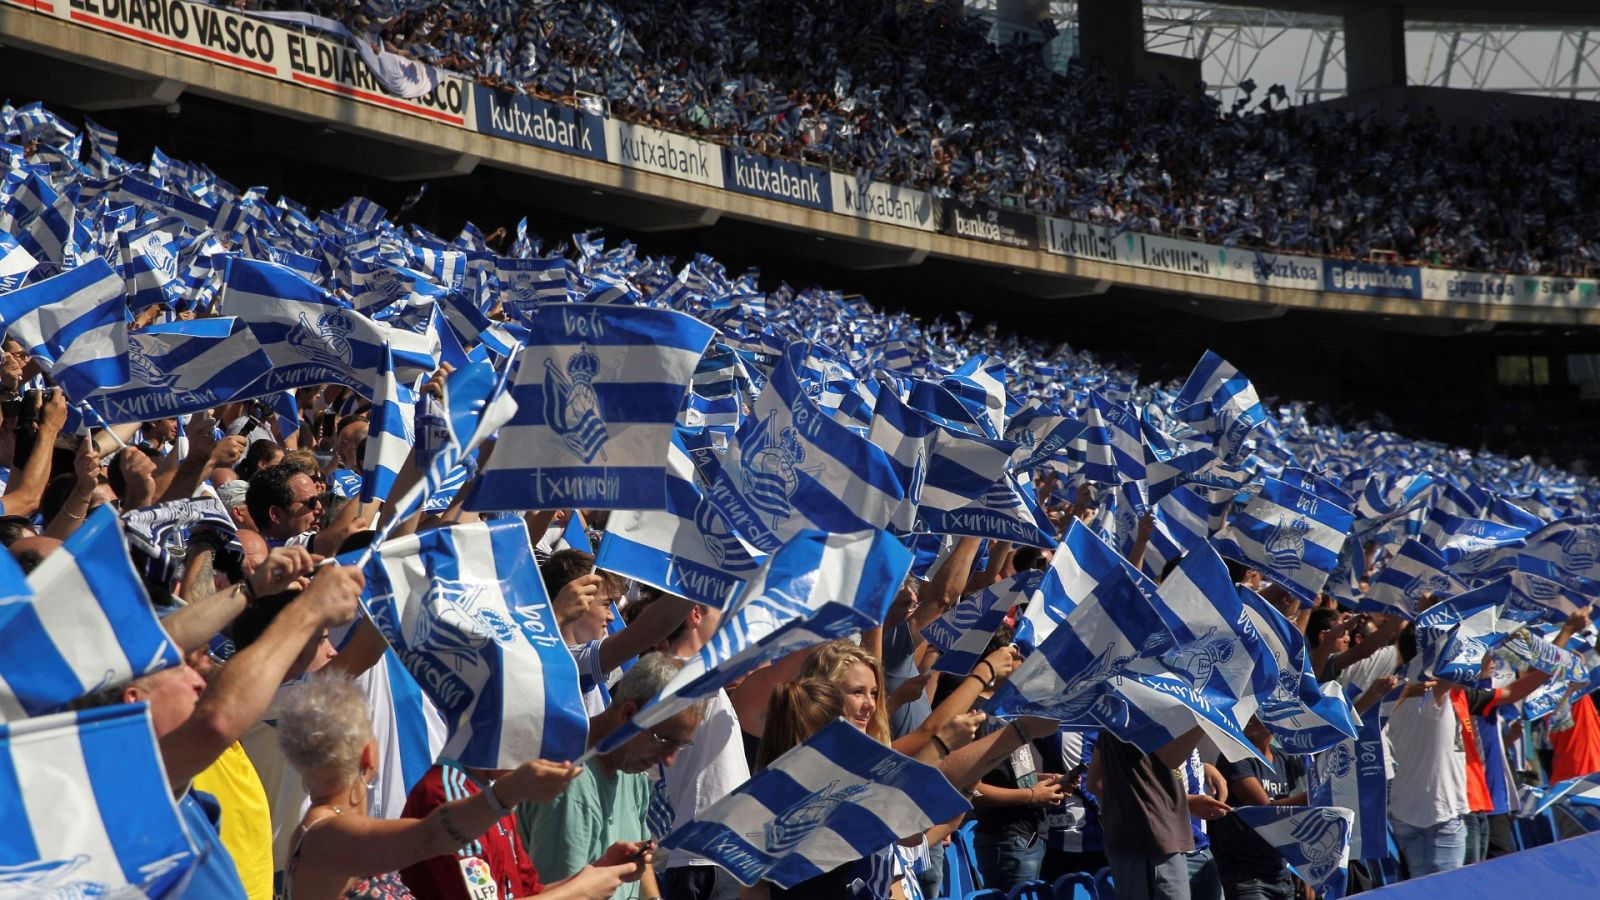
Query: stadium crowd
[
  {"x": 915, "y": 94},
  {"x": 288, "y": 726}
]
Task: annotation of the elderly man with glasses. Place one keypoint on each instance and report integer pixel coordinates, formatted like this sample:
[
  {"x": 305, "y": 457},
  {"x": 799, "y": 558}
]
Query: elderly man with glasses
[{"x": 607, "y": 802}]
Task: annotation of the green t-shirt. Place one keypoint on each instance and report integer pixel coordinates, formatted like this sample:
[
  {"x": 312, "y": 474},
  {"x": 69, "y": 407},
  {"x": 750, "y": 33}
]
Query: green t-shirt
[{"x": 594, "y": 812}]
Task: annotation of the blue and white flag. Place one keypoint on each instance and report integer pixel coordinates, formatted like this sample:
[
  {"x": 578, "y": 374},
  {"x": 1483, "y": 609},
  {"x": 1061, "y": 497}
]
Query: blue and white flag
[
  {"x": 1472, "y": 548},
  {"x": 80, "y": 622},
  {"x": 1571, "y": 545},
  {"x": 1313, "y": 840},
  {"x": 1091, "y": 617},
  {"x": 687, "y": 549},
  {"x": 1216, "y": 654},
  {"x": 792, "y": 468},
  {"x": 475, "y": 403},
  {"x": 88, "y": 809},
  {"x": 1113, "y": 446},
  {"x": 837, "y": 797},
  {"x": 1352, "y": 774},
  {"x": 310, "y": 338},
  {"x": 815, "y": 588},
  {"x": 964, "y": 631},
  {"x": 1584, "y": 790},
  {"x": 391, "y": 433},
  {"x": 1413, "y": 573},
  {"x": 1181, "y": 522},
  {"x": 150, "y": 263},
  {"x": 1293, "y": 536},
  {"x": 183, "y": 367},
  {"x": 15, "y": 263},
  {"x": 979, "y": 385},
  {"x": 1041, "y": 437},
  {"x": 466, "y": 611},
  {"x": 1454, "y": 635},
  {"x": 1304, "y": 717},
  {"x": 74, "y": 325},
  {"x": 1151, "y": 711},
  {"x": 1220, "y": 401},
  {"x": 598, "y": 392}
]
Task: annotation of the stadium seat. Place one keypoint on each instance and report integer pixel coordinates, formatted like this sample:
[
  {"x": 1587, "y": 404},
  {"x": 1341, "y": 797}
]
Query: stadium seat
[
  {"x": 961, "y": 875},
  {"x": 986, "y": 894},
  {"x": 1104, "y": 887},
  {"x": 1030, "y": 890},
  {"x": 1073, "y": 886}
]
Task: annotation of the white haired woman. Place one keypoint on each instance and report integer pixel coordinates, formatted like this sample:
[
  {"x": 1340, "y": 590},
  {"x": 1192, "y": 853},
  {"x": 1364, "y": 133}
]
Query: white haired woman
[{"x": 339, "y": 851}]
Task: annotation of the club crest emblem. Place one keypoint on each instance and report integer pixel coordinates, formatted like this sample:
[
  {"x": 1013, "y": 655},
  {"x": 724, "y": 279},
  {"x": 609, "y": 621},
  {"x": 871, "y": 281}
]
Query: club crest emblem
[
  {"x": 772, "y": 470},
  {"x": 1286, "y": 545},
  {"x": 796, "y": 823},
  {"x": 143, "y": 369},
  {"x": 327, "y": 341},
  {"x": 571, "y": 406}
]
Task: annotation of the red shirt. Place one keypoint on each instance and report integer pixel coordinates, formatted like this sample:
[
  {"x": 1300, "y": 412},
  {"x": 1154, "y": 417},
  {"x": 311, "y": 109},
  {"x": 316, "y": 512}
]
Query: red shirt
[
  {"x": 1577, "y": 747},
  {"x": 1478, "y": 798},
  {"x": 441, "y": 876}
]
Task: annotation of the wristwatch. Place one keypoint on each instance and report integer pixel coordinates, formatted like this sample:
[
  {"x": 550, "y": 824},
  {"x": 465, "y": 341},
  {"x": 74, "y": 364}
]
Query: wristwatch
[{"x": 500, "y": 809}]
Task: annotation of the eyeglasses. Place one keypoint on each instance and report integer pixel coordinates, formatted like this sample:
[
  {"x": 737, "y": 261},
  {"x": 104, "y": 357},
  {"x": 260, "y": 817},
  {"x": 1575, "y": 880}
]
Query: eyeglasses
[
  {"x": 310, "y": 503},
  {"x": 663, "y": 743}
]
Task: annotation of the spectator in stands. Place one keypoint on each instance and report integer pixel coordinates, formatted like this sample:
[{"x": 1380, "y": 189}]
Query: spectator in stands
[
  {"x": 1144, "y": 814},
  {"x": 607, "y": 801},
  {"x": 1249, "y": 866}
]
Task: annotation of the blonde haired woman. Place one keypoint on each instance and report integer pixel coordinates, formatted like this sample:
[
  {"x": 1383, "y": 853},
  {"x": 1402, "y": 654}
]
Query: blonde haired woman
[{"x": 325, "y": 730}]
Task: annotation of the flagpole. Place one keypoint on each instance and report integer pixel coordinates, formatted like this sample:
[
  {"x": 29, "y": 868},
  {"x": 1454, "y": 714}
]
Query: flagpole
[{"x": 86, "y": 408}]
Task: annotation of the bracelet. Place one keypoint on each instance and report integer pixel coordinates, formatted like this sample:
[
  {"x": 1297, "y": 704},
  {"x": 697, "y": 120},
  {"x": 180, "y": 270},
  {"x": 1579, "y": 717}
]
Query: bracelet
[
  {"x": 500, "y": 809},
  {"x": 451, "y": 829},
  {"x": 944, "y": 749},
  {"x": 992, "y": 673},
  {"x": 250, "y": 598},
  {"x": 83, "y": 515}
]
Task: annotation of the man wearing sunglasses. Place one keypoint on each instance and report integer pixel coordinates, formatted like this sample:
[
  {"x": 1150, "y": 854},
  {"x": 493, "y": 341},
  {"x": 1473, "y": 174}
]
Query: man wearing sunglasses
[{"x": 284, "y": 503}]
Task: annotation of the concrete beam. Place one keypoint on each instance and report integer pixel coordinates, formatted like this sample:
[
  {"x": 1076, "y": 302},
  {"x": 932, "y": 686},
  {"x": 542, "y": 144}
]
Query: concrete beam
[
  {"x": 1049, "y": 287},
  {"x": 61, "y": 83},
  {"x": 339, "y": 149},
  {"x": 852, "y": 255},
  {"x": 1219, "y": 310}
]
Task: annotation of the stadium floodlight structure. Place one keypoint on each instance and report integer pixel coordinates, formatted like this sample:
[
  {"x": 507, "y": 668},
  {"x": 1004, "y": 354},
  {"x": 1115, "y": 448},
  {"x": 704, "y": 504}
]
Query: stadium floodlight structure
[{"x": 1301, "y": 46}]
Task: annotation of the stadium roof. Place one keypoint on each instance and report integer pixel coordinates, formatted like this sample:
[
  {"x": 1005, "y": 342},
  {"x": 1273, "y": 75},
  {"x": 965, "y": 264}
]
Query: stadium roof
[{"x": 1544, "y": 13}]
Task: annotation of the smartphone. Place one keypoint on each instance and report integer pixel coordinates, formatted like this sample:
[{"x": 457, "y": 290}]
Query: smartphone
[
  {"x": 329, "y": 420},
  {"x": 647, "y": 848}
]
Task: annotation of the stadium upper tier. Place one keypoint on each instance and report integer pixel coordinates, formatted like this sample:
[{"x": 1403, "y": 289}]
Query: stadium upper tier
[
  {"x": 1158, "y": 189},
  {"x": 915, "y": 95}
]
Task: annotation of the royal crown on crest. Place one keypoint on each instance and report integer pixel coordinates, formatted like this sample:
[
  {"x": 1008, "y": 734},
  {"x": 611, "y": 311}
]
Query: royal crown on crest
[{"x": 583, "y": 366}]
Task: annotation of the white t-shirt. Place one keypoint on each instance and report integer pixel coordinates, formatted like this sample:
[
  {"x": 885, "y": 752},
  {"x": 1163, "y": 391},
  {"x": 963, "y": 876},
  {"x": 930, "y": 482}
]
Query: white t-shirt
[
  {"x": 590, "y": 676},
  {"x": 706, "y": 772},
  {"x": 1430, "y": 780}
]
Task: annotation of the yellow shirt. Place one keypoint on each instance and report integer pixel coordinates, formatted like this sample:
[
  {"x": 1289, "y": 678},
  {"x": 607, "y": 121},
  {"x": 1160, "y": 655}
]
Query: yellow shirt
[{"x": 246, "y": 826}]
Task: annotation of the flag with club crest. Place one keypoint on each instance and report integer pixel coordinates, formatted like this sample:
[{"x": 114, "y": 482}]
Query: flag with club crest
[
  {"x": 1472, "y": 548},
  {"x": 88, "y": 809},
  {"x": 150, "y": 263},
  {"x": 1041, "y": 436},
  {"x": 74, "y": 325},
  {"x": 1293, "y": 536},
  {"x": 1218, "y": 400},
  {"x": 837, "y": 797},
  {"x": 1572, "y": 545},
  {"x": 1454, "y": 635},
  {"x": 79, "y": 622},
  {"x": 1313, "y": 840},
  {"x": 792, "y": 468},
  {"x": 311, "y": 338},
  {"x": 1151, "y": 711},
  {"x": 391, "y": 433},
  {"x": 466, "y": 610},
  {"x": 1413, "y": 573},
  {"x": 979, "y": 385},
  {"x": 1303, "y": 717},
  {"x": 1181, "y": 523},
  {"x": 815, "y": 588},
  {"x": 178, "y": 368},
  {"x": 687, "y": 549},
  {"x": 1091, "y": 616},
  {"x": 962, "y": 633},
  {"x": 1215, "y": 653},
  {"x": 598, "y": 391},
  {"x": 1352, "y": 774}
]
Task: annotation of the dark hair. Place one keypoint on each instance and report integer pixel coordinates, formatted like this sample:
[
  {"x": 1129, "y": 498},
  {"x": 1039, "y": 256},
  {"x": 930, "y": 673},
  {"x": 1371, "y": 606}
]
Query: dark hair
[
  {"x": 1406, "y": 642},
  {"x": 269, "y": 488},
  {"x": 798, "y": 709},
  {"x": 14, "y": 528},
  {"x": 253, "y": 622},
  {"x": 1236, "y": 569},
  {"x": 1028, "y": 558},
  {"x": 28, "y": 560},
  {"x": 361, "y": 540},
  {"x": 1320, "y": 621},
  {"x": 1173, "y": 564},
  {"x": 563, "y": 566},
  {"x": 56, "y": 492},
  {"x": 258, "y": 453}
]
